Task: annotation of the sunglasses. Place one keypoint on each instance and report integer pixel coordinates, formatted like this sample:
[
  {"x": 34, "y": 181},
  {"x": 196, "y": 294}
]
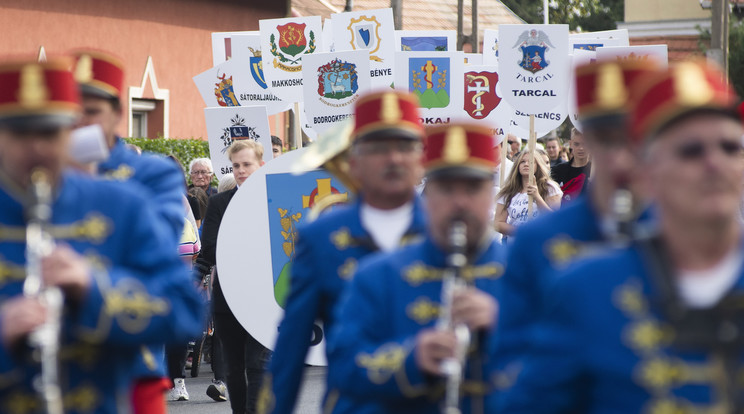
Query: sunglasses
[{"x": 696, "y": 150}]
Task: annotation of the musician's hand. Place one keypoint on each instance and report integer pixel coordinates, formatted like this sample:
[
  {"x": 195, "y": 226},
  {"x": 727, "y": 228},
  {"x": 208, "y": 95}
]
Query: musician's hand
[
  {"x": 19, "y": 317},
  {"x": 433, "y": 346},
  {"x": 474, "y": 308},
  {"x": 65, "y": 268}
]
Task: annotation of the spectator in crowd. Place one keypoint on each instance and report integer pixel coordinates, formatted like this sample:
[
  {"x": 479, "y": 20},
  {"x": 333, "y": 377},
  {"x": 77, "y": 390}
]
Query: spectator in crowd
[
  {"x": 245, "y": 358},
  {"x": 227, "y": 182},
  {"x": 512, "y": 200},
  {"x": 514, "y": 146},
  {"x": 277, "y": 146},
  {"x": 563, "y": 155},
  {"x": 201, "y": 172},
  {"x": 200, "y": 208},
  {"x": 573, "y": 176},
  {"x": 553, "y": 148}
]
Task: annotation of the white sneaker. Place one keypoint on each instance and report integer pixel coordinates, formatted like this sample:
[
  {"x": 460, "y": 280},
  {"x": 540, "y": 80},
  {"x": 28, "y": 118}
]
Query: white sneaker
[{"x": 179, "y": 390}]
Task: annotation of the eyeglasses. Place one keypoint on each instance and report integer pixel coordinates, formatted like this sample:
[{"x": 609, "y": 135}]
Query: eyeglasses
[
  {"x": 201, "y": 172},
  {"x": 696, "y": 150}
]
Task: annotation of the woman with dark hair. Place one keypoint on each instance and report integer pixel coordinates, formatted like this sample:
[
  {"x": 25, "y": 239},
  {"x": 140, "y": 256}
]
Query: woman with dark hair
[{"x": 512, "y": 201}]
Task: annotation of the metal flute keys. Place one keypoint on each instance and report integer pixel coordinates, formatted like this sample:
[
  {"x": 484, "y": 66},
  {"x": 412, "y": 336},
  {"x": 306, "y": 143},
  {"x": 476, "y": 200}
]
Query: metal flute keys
[
  {"x": 453, "y": 282},
  {"x": 45, "y": 339}
]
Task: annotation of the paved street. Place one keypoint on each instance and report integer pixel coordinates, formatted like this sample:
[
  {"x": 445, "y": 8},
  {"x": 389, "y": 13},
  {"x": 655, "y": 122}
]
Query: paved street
[{"x": 199, "y": 403}]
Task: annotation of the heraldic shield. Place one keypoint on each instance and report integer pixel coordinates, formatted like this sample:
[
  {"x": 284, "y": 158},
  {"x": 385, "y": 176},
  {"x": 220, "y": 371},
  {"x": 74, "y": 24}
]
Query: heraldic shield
[
  {"x": 365, "y": 33},
  {"x": 533, "y": 58},
  {"x": 290, "y": 198},
  {"x": 292, "y": 39},
  {"x": 429, "y": 81},
  {"x": 224, "y": 91},
  {"x": 257, "y": 71},
  {"x": 480, "y": 93},
  {"x": 337, "y": 79}
]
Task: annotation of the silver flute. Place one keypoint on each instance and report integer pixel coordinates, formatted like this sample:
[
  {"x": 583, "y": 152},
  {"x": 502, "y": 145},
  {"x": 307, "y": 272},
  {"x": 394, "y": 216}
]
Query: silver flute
[
  {"x": 45, "y": 340},
  {"x": 453, "y": 368}
]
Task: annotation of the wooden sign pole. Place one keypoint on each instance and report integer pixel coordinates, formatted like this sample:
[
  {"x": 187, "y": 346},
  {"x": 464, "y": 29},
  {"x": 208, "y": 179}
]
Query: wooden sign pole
[
  {"x": 502, "y": 171},
  {"x": 531, "y": 147},
  {"x": 298, "y": 126}
]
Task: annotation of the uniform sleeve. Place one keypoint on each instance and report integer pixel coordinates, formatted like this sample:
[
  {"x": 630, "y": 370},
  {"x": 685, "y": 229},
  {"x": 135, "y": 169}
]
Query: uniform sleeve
[
  {"x": 519, "y": 304},
  {"x": 363, "y": 360},
  {"x": 295, "y": 331},
  {"x": 142, "y": 293},
  {"x": 166, "y": 185},
  {"x": 553, "y": 368}
]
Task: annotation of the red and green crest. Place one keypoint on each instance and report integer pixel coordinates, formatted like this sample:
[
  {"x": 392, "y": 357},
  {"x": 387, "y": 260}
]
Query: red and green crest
[{"x": 292, "y": 39}]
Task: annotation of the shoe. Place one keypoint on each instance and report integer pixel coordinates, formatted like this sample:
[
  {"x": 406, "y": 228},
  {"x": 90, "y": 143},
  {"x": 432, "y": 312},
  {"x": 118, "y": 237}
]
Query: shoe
[
  {"x": 217, "y": 391},
  {"x": 179, "y": 390}
]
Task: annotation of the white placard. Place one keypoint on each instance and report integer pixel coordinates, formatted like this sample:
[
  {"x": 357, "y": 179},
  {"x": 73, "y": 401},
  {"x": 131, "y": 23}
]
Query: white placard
[
  {"x": 328, "y": 44},
  {"x": 593, "y": 40},
  {"x": 284, "y": 42},
  {"x": 222, "y": 46},
  {"x": 534, "y": 66},
  {"x": 332, "y": 82},
  {"x": 235, "y": 83},
  {"x": 648, "y": 53},
  {"x": 545, "y": 121},
  {"x": 436, "y": 79},
  {"x": 580, "y": 57},
  {"x": 269, "y": 206},
  {"x": 482, "y": 102},
  {"x": 371, "y": 30},
  {"x": 227, "y": 124},
  {"x": 425, "y": 40},
  {"x": 473, "y": 59},
  {"x": 490, "y": 47},
  {"x": 305, "y": 123}
]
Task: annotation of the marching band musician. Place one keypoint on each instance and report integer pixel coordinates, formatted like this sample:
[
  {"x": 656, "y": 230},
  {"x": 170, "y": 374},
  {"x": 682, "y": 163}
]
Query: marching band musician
[
  {"x": 101, "y": 80},
  {"x": 656, "y": 327},
  {"x": 385, "y": 160},
  {"x": 385, "y": 347},
  {"x": 122, "y": 281},
  {"x": 587, "y": 226}
]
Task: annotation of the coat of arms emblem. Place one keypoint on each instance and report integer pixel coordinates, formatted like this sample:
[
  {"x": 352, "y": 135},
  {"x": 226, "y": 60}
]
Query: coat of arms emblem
[
  {"x": 224, "y": 92},
  {"x": 337, "y": 80},
  {"x": 257, "y": 68},
  {"x": 365, "y": 35},
  {"x": 292, "y": 45},
  {"x": 429, "y": 81},
  {"x": 237, "y": 131},
  {"x": 480, "y": 93},
  {"x": 533, "y": 44}
]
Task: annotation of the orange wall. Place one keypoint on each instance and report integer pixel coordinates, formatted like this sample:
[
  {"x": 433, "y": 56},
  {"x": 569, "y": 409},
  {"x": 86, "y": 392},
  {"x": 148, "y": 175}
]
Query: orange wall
[{"x": 176, "y": 33}]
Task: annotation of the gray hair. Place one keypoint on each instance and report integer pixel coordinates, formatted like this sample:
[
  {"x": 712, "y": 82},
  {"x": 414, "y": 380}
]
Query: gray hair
[
  {"x": 202, "y": 161},
  {"x": 227, "y": 182}
]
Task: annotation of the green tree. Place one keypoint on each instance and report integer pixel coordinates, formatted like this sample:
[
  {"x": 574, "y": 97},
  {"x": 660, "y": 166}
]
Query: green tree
[
  {"x": 736, "y": 51},
  {"x": 580, "y": 15}
]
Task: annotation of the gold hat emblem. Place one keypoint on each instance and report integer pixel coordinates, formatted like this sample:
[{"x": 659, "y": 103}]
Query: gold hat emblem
[
  {"x": 33, "y": 90},
  {"x": 610, "y": 87},
  {"x": 456, "y": 145},
  {"x": 690, "y": 84},
  {"x": 390, "y": 110},
  {"x": 84, "y": 69}
]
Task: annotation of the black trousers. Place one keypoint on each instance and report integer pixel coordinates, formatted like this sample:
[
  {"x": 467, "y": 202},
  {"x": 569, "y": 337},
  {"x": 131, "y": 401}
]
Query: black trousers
[{"x": 245, "y": 361}]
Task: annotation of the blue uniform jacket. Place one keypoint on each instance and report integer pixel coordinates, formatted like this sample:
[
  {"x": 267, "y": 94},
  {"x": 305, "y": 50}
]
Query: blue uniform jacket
[
  {"x": 327, "y": 252},
  {"x": 604, "y": 347},
  {"x": 539, "y": 248},
  {"x": 162, "y": 185},
  {"x": 140, "y": 293},
  {"x": 393, "y": 297}
]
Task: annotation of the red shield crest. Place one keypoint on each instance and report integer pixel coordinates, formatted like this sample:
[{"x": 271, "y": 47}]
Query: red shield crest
[
  {"x": 480, "y": 93},
  {"x": 292, "y": 38}
]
